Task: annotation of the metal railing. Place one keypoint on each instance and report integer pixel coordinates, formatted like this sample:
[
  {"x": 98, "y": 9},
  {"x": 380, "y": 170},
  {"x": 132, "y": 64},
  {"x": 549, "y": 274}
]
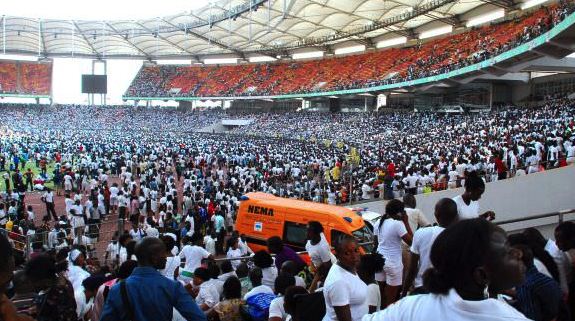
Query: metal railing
[{"x": 560, "y": 214}]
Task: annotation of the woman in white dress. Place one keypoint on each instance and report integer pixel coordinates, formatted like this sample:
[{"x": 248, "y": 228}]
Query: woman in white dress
[{"x": 391, "y": 229}]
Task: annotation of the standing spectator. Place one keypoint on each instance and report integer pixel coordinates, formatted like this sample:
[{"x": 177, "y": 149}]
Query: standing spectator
[
  {"x": 467, "y": 203},
  {"x": 147, "y": 294},
  {"x": 234, "y": 252},
  {"x": 28, "y": 175},
  {"x": 229, "y": 309},
  {"x": 284, "y": 253},
  {"x": 48, "y": 199},
  {"x": 256, "y": 277},
  {"x": 317, "y": 247},
  {"x": 390, "y": 230},
  {"x": 344, "y": 292},
  {"x": 472, "y": 263},
  {"x": 57, "y": 301},
  {"x": 369, "y": 265},
  {"x": 500, "y": 167},
  {"x": 193, "y": 254},
  {"x": 446, "y": 215}
]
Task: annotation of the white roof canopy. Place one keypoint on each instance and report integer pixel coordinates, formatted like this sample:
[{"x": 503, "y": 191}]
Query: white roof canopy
[{"x": 237, "y": 27}]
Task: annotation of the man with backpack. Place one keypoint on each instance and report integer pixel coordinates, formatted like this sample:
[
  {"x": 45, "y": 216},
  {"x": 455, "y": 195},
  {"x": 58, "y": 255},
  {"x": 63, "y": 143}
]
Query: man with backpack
[{"x": 146, "y": 295}]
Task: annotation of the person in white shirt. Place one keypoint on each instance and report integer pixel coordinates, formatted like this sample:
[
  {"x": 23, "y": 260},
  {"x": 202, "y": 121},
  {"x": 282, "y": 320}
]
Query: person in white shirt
[
  {"x": 256, "y": 276},
  {"x": 205, "y": 294},
  {"x": 277, "y": 310},
  {"x": 234, "y": 252},
  {"x": 390, "y": 230},
  {"x": 114, "y": 190},
  {"x": 86, "y": 294},
  {"x": 467, "y": 203},
  {"x": 446, "y": 215},
  {"x": 317, "y": 247},
  {"x": 172, "y": 268},
  {"x": 365, "y": 191},
  {"x": 453, "y": 176},
  {"x": 210, "y": 243},
  {"x": 76, "y": 273},
  {"x": 415, "y": 216},
  {"x": 369, "y": 265},
  {"x": 344, "y": 292},
  {"x": 193, "y": 254},
  {"x": 467, "y": 275},
  {"x": 246, "y": 250},
  {"x": 264, "y": 261}
]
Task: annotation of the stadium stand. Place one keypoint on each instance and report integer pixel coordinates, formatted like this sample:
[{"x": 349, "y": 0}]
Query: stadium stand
[
  {"x": 25, "y": 78},
  {"x": 445, "y": 202},
  {"x": 356, "y": 71}
]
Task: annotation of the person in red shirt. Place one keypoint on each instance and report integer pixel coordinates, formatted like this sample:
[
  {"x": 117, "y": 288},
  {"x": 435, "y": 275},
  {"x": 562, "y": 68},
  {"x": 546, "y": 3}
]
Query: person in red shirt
[
  {"x": 388, "y": 180},
  {"x": 500, "y": 167}
]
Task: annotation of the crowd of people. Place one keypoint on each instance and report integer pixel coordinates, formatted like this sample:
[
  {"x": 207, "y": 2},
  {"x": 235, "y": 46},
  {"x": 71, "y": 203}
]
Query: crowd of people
[
  {"x": 462, "y": 268},
  {"x": 177, "y": 192},
  {"x": 382, "y": 67}
]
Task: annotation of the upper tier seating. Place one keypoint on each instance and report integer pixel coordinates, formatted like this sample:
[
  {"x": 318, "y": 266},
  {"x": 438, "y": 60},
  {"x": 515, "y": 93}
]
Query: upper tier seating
[
  {"x": 28, "y": 78},
  {"x": 381, "y": 67}
]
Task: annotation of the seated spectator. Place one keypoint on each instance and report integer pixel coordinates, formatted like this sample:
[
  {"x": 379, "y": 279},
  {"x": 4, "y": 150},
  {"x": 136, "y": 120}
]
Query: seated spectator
[
  {"x": 277, "y": 311},
  {"x": 229, "y": 309},
  {"x": 289, "y": 268},
  {"x": 242, "y": 273},
  {"x": 206, "y": 296},
  {"x": 257, "y": 286},
  {"x": 265, "y": 262}
]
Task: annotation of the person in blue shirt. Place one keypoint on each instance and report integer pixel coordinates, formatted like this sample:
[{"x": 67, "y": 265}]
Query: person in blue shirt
[{"x": 151, "y": 296}]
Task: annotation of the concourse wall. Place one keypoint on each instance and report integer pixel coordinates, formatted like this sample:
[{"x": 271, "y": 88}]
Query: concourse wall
[{"x": 517, "y": 197}]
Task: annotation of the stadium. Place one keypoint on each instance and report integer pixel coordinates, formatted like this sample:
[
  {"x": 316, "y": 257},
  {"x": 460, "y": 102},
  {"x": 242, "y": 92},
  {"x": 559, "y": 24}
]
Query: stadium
[{"x": 304, "y": 160}]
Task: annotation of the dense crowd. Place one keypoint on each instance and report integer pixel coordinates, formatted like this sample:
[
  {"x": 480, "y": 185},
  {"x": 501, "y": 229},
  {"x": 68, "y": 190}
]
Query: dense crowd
[
  {"x": 163, "y": 276},
  {"x": 76, "y": 118},
  {"x": 383, "y": 67},
  {"x": 177, "y": 192}
]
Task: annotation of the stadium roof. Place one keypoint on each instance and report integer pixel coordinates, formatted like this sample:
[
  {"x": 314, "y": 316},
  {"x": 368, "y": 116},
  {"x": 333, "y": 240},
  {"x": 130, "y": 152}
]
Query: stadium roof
[{"x": 240, "y": 27}]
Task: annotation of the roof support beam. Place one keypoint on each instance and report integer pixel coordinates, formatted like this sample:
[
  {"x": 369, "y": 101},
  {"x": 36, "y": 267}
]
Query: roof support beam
[
  {"x": 450, "y": 20},
  {"x": 157, "y": 34},
  {"x": 41, "y": 40},
  {"x": 131, "y": 44},
  {"x": 86, "y": 39}
]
